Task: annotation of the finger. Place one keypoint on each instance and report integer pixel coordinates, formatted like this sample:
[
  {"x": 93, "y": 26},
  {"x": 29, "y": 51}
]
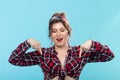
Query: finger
[
  {"x": 37, "y": 46},
  {"x": 40, "y": 50}
]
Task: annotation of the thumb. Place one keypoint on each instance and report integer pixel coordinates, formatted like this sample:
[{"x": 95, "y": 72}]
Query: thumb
[{"x": 40, "y": 50}]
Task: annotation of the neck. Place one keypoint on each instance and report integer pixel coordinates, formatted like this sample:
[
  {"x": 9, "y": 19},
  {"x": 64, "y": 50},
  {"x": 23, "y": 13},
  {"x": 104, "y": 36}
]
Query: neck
[{"x": 59, "y": 48}]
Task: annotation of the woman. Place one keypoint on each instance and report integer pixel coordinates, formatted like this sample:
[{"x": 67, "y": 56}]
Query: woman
[{"x": 61, "y": 61}]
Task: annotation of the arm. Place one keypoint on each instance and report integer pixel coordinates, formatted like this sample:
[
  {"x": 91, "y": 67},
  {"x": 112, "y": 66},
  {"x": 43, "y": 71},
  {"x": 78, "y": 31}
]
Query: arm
[
  {"x": 19, "y": 56},
  {"x": 96, "y": 52}
]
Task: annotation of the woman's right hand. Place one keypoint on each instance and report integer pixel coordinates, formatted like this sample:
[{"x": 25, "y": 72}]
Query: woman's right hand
[{"x": 34, "y": 44}]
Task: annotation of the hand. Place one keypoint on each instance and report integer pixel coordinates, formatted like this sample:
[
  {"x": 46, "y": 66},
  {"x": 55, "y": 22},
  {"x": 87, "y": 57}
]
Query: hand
[
  {"x": 34, "y": 44},
  {"x": 86, "y": 45}
]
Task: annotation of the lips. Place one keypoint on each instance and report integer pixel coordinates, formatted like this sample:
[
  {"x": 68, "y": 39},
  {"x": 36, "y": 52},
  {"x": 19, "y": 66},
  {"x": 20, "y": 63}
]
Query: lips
[{"x": 59, "y": 39}]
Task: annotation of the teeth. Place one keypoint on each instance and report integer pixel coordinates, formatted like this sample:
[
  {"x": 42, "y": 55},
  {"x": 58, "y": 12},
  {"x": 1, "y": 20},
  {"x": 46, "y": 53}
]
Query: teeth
[{"x": 59, "y": 39}]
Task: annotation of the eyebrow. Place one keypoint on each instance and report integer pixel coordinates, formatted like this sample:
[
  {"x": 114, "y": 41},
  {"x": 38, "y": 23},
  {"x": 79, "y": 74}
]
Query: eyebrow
[{"x": 60, "y": 28}]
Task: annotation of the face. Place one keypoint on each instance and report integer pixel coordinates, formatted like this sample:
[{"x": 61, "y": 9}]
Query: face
[{"x": 59, "y": 34}]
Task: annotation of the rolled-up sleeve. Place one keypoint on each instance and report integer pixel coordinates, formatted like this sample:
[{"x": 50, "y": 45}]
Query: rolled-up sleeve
[
  {"x": 19, "y": 57},
  {"x": 98, "y": 53}
]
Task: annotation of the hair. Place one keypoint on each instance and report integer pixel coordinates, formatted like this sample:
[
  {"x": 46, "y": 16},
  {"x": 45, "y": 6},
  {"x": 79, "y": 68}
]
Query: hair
[{"x": 56, "y": 18}]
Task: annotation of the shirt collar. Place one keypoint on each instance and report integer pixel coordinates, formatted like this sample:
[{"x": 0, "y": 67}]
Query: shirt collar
[{"x": 54, "y": 51}]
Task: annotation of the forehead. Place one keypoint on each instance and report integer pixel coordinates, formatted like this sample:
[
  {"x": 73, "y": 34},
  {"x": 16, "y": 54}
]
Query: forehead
[{"x": 58, "y": 25}]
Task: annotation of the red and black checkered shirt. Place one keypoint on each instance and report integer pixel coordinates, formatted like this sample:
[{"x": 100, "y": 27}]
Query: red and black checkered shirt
[{"x": 50, "y": 63}]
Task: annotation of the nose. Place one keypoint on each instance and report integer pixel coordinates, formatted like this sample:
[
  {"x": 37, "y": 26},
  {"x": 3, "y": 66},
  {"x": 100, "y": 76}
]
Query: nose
[{"x": 58, "y": 33}]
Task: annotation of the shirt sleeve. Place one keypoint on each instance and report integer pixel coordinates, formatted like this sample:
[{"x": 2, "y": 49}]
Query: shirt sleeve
[
  {"x": 98, "y": 53},
  {"x": 19, "y": 57}
]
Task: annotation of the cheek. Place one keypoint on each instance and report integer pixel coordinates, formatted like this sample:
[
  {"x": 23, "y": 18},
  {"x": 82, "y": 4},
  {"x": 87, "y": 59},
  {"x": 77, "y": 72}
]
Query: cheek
[
  {"x": 66, "y": 34},
  {"x": 52, "y": 37},
  {"x": 66, "y": 37}
]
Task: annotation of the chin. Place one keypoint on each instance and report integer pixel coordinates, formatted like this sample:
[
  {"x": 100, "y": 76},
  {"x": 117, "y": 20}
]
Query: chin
[{"x": 60, "y": 45}]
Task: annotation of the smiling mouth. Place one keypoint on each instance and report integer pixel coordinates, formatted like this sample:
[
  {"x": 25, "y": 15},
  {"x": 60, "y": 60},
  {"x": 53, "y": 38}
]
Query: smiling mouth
[{"x": 59, "y": 39}]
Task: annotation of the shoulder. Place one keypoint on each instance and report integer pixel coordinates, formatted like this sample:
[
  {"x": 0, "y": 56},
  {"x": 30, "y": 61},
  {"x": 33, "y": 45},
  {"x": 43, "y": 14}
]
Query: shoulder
[
  {"x": 75, "y": 47},
  {"x": 74, "y": 50},
  {"x": 48, "y": 50}
]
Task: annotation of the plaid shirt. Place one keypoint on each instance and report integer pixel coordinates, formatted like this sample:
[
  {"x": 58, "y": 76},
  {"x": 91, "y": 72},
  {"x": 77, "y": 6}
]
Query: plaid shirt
[{"x": 50, "y": 63}]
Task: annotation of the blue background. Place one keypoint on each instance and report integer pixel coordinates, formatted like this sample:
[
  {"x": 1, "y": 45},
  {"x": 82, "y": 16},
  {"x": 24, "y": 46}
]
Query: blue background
[{"x": 90, "y": 19}]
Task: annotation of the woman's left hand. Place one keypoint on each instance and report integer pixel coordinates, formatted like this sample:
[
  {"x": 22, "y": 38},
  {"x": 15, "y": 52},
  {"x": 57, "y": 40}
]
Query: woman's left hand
[{"x": 86, "y": 45}]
